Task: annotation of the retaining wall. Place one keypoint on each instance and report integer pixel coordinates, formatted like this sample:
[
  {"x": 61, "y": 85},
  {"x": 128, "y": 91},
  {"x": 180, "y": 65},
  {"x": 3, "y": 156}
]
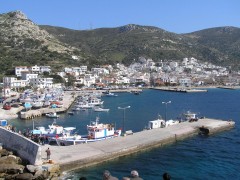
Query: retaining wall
[{"x": 25, "y": 148}]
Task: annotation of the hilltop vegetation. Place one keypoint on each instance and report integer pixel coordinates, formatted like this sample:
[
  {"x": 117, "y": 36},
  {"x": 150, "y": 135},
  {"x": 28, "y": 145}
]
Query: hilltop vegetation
[{"x": 22, "y": 42}]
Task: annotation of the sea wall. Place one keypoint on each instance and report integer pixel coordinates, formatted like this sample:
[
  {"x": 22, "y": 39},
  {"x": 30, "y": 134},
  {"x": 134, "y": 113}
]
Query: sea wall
[{"x": 22, "y": 146}]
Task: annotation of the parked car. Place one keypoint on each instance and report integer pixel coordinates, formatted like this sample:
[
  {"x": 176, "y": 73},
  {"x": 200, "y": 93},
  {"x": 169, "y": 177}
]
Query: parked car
[{"x": 7, "y": 106}]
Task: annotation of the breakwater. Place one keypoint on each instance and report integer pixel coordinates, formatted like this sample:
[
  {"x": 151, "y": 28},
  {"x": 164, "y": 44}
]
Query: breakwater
[
  {"x": 83, "y": 155},
  {"x": 23, "y": 146}
]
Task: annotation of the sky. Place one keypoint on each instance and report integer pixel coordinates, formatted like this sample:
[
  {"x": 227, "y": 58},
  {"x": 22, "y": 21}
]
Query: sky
[{"x": 178, "y": 16}]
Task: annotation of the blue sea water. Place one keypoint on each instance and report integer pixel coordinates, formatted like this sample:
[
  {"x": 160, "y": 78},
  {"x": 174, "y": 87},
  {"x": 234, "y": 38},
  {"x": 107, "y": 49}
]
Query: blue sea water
[{"x": 200, "y": 157}]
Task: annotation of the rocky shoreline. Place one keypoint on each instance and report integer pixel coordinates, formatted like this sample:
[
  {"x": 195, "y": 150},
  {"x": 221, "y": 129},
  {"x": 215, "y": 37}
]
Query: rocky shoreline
[{"x": 13, "y": 167}]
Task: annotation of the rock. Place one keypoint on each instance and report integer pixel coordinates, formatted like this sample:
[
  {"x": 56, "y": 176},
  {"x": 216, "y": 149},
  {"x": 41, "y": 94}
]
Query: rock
[
  {"x": 4, "y": 152},
  {"x": 54, "y": 168},
  {"x": 31, "y": 168},
  {"x": 11, "y": 168},
  {"x": 24, "y": 176},
  {"x": 11, "y": 159},
  {"x": 41, "y": 175}
]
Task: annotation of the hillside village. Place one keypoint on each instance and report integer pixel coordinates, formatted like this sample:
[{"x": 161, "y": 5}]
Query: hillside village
[{"x": 143, "y": 72}]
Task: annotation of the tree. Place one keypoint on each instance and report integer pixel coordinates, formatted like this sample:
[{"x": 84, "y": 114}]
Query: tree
[{"x": 71, "y": 80}]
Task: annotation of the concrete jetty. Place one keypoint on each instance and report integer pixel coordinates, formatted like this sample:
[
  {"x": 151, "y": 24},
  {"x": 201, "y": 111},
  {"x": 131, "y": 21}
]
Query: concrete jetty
[
  {"x": 82, "y": 155},
  {"x": 179, "y": 89}
]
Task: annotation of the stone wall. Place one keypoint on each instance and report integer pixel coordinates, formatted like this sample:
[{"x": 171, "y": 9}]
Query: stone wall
[{"x": 24, "y": 147}]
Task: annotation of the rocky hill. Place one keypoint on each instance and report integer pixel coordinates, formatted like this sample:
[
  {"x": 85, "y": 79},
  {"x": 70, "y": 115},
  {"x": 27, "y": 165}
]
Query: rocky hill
[{"x": 22, "y": 42}]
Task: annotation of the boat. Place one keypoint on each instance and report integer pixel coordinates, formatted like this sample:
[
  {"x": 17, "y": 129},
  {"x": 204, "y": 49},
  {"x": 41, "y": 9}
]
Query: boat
[
  {"x": 52, "y": 115},
  {"x": 109, "y": 94},
  {"x": 71, "y": 113},
  {"x": 95, "y": 102},
  {"x": 190, "y": 116},
  {"x": 96, "y": 132},
  {"x": 52, "y": 130},
  {"x": 99, "y": 109}
]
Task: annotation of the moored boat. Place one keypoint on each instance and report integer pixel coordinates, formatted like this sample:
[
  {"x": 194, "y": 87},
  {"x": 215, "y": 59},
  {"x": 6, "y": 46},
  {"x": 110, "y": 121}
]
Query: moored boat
[
  {"x": 99, "y": 109},
  {"x": 52, "y": 115},
  {"x": 96, "y": 132}
]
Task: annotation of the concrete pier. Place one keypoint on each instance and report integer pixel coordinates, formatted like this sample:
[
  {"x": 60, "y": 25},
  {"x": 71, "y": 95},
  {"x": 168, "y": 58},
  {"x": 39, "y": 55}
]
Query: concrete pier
[
  {"x": 179, "y": 89},
  {"x": 79, "y": 156}
]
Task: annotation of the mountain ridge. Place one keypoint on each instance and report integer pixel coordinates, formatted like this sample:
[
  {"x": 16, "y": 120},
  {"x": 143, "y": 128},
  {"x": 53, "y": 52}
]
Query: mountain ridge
[{"x": 22, "y": 42}]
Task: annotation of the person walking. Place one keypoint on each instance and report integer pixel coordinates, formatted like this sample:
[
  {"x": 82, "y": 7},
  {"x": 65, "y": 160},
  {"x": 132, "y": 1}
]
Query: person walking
[{"x": 48, "y": 153}]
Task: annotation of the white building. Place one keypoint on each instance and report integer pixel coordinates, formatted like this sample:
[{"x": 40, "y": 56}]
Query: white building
[
  {"x": 89, "y": 79},
  {"x": 35, "y": 69},
  {"x": 41, "y": 82},
  {"x": 12, "y": 82},
  {"x": 99, "y": 71},
  {"x": 185, "y": 82},
  {"x": 45, "y": 69},
  {"x": 20, "y": 69},
  {"x": 27, "y": 76}
]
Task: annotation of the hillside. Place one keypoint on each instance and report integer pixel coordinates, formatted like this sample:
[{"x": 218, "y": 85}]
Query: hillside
[
  {"x": 124, "y": 44},
  {"x": 22, "y": 42}
]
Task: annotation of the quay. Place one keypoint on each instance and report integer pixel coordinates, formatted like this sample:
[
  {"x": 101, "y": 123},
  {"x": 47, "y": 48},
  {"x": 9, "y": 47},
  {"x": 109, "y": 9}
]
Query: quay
[
  {"x": 83, "y": 155},
  {"x": 177, "y": 89}
]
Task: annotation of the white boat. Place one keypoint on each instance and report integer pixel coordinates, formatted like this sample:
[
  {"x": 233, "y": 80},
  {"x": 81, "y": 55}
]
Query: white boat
[
  {"x": 52, "y": 115},
  {"x": 71, "y": 113},
  {"x": 76, "y": 109},
  {"x": 95, "y": 102},
  {"x": 99, "y": 109},
  {"x": 96, "y": 132},
  {"x": 110, "y": 94},
  {"x": 190, "y": 116},
  {"x": 52, "y": 130}
]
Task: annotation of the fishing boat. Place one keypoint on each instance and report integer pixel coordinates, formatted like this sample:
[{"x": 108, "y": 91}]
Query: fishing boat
[
  {"x": 52, "y": 115},
  {"x": 96, "y": 132},
  {"x": 52, "y": 130}
]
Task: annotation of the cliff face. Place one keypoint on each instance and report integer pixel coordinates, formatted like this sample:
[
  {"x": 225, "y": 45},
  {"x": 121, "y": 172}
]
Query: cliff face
[
  {"x": 22, "y": 42},
  {"x": 17, "y": 30}
]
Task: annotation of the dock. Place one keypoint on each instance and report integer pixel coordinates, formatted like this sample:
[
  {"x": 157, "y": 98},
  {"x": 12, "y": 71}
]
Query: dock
[
  {"x": 177, "y": 89},
  {"x": 83, "y": 155}
]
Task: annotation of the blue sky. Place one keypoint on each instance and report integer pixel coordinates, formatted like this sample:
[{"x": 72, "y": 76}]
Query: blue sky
[{"x": 179, "y": 16}]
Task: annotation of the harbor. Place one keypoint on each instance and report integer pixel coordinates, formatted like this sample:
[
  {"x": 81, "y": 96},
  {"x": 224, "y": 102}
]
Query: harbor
[{"x": 88, "y": 154}]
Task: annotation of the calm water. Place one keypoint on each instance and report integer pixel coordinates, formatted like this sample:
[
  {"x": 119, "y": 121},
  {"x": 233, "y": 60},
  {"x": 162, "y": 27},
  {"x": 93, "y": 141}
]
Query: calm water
[{"x": 213, "y": 157}]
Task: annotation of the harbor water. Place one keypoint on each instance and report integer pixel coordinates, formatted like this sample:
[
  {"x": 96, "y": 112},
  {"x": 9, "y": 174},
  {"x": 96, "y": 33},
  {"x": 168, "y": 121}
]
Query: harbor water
[{"x": 199, "y": 157}]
